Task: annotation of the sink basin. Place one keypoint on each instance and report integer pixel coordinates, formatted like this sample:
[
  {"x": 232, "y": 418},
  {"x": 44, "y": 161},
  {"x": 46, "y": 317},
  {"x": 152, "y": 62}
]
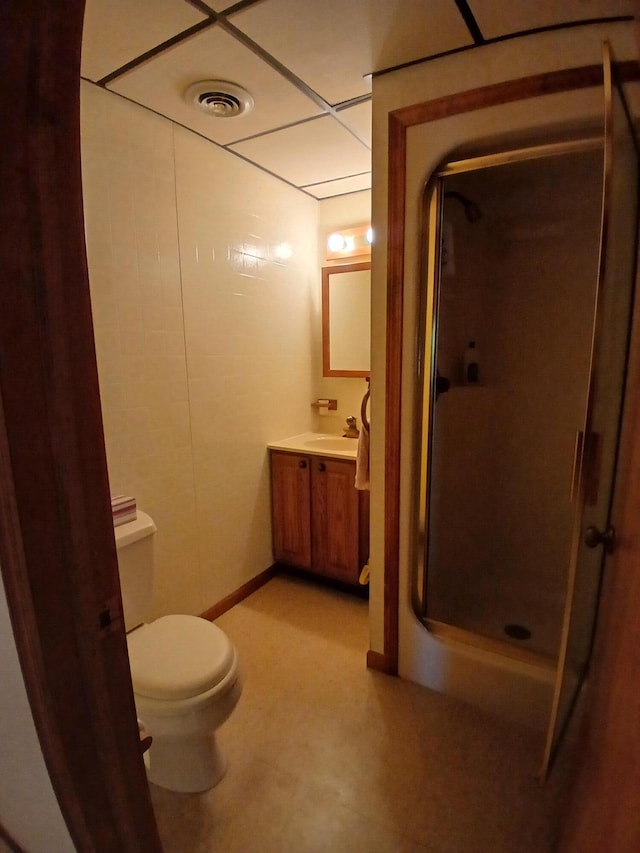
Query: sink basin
[
  {"x": 332, "y": 443},
  {"x": 318, "y": 444}
]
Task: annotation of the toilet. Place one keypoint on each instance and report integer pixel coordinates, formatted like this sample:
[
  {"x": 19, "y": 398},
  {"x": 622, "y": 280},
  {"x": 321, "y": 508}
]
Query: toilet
[{"x": 184, "y": 672}]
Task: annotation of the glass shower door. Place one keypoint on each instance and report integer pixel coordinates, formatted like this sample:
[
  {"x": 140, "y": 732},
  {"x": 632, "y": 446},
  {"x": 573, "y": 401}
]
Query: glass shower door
[
  {"x": 494, "y": 520},
  {"x": 596, "y": 447}
]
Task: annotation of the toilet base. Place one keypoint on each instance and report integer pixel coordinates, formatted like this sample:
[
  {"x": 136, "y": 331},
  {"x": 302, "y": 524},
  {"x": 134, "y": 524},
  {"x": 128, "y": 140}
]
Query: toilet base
[{"x": 188, "y": 765}]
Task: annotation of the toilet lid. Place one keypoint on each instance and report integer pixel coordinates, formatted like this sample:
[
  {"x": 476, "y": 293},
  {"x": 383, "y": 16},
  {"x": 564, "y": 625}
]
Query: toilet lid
[{"x": 177, "y": 657}]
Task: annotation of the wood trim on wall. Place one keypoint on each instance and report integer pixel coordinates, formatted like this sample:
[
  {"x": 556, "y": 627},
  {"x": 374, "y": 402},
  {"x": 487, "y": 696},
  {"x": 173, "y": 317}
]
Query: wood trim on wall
[
  {"x": 57, "y": 547},
  {"x": 400, "y": 120},
  {"x": 380, "y": 662},
  {"x": 549, "y": 83},
  {"x": 393, "y": 399},
  {"x": 240, "y": 594}
]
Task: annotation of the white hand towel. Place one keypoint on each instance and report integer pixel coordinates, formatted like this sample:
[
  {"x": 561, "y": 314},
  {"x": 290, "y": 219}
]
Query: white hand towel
[{"x": 362, "y": 460}]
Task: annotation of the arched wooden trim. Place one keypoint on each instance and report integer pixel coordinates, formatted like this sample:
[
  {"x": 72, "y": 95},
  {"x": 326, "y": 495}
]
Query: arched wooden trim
[
  {"x": 56, "y": 539},
  {"x": 566, "y": 80}
]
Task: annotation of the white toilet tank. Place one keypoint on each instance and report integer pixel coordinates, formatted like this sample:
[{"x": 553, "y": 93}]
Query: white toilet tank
[{"x": 134, "y": 543}]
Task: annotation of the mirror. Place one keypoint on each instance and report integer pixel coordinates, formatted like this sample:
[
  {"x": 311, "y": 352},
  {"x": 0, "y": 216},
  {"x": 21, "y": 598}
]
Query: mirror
[{"x": 346, "y": 320}]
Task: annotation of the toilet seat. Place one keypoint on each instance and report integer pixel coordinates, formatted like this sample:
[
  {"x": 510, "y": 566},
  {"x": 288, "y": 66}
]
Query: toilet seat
[{"x": 178, "y": 657}]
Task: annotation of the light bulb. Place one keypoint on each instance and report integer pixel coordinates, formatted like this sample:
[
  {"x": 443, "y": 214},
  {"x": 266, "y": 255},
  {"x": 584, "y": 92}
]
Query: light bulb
[
  {"x": 336, "y": 242},
  {"x": 283, "y": 251}
]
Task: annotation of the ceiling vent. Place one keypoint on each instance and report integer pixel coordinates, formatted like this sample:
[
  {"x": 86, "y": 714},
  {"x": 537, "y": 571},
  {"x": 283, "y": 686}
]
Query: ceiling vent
[{"x": 219, "y": 99}]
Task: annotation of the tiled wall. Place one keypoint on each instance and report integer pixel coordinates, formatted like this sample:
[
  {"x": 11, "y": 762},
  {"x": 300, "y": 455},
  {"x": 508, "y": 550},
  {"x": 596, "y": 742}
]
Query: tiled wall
[{"x": 203, "y": 338}]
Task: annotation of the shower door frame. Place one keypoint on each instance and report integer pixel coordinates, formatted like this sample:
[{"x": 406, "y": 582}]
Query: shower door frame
[
  {"x": 596, "y": 465},
  {"x": 427, "y": 343},
  {"x": 584, "y": 470},
  {"x": 400, "y": 122}
]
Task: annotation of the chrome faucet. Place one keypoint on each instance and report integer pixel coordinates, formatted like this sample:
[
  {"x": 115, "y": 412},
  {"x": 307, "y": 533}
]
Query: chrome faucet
[{"x": 351, "y": 430}]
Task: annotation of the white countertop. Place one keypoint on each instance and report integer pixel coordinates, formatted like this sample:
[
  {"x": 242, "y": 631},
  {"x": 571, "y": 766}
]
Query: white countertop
[{"x": 318, "y": 444}]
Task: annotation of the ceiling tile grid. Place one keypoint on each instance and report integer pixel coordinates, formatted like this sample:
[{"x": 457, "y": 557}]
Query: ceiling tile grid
[
  {"x": 306, "y": 63},
  {"x": 333, "y": 46},
  {"x": 342, "y": 186},
  {"x": 499, "y": 19},
  {"x": 118, "y": 31},
  {"x": 215, "y": 55},
  {"x": 309, "y": 153},
  {"x": 358, "y": 118}
]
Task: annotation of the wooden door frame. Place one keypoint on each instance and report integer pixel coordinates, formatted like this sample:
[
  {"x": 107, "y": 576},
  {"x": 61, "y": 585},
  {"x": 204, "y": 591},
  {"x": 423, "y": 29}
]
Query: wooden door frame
[
  {"x": 57, "y": 547},
  {"x": 400, "y": 121}
]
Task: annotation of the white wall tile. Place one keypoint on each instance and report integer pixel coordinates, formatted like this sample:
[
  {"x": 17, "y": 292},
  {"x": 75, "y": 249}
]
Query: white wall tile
[
  {"x": 203, "y": 338},
  {"x": 243, "y": 310}
]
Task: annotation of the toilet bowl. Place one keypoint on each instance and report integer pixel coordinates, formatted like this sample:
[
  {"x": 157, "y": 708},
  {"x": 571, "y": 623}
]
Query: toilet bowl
[
  {"x": 184, "y": 672},
  {"x": 186, "y": 683}
]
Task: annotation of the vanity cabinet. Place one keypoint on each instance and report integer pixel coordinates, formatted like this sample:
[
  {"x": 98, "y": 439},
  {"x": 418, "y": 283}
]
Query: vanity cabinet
[
  {"x": 320, "y": 520},
  {"x": 291, "y": 509}
]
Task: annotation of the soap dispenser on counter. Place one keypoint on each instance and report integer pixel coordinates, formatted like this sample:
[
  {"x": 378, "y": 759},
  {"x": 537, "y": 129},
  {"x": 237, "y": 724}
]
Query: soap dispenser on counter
[{"x": 471, "y": 372}]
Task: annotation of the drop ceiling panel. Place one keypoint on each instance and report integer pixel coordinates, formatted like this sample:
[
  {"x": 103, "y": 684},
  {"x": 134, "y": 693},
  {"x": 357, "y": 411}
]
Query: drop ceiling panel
[
  {"x": 224, "y": 5},
  {"x": 215, "y": 55},
  {"x": 355, "y": 184},
  {"x": 117, "y": 31},
  {"x": 332, "y": 45},
  {"x": 220, "y": 5},
  {"x": 498, "y": 19},
  {"x": 310, "y": 153},
  {"x": 359, "y": 118}
]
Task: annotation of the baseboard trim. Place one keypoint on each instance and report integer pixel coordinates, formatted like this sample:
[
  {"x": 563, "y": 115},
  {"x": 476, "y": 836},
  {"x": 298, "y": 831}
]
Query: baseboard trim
[
  {"x": 240, "y": 594},
  {"x": 381, "y": 663}
]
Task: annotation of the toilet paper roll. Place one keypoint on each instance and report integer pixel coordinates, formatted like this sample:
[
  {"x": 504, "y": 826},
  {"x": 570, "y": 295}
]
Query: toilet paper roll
[{"x": 323, "y": 407}]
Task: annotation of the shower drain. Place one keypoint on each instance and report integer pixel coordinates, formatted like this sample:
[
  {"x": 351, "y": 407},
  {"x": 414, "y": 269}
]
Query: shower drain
[{"x": 517, "y": 632}]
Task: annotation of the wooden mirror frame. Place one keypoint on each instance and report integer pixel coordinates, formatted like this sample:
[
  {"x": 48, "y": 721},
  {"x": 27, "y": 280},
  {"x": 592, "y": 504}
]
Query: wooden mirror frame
[{"x": 326, "y": 314}]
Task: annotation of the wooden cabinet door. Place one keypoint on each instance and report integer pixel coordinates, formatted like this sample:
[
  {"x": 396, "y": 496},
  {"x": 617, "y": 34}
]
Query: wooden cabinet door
[
  {"x": 334, "y": 520},
  {"x": 290, "y": 509}
]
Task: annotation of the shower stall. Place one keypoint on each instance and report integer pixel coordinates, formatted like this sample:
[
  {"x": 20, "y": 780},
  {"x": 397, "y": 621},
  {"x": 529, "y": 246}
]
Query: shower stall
[
  {"x": 519, "y": 283},
  {"x": 527, "y": 284}
]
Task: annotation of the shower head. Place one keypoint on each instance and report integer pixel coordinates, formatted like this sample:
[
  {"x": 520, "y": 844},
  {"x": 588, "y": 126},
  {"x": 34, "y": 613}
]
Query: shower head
[{"x": 471, "y": 209}]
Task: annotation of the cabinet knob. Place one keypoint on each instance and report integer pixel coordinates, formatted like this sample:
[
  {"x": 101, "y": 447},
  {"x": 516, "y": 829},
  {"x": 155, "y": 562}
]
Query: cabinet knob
[
  {"x": 302, "y": 464},
  {"x": 322, "y": 466}
]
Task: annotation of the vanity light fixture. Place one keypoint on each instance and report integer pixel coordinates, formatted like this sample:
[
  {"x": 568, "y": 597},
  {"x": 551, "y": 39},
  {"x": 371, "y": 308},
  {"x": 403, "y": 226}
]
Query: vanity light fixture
[
  {"x": 336, "y": 242},
  {"x": 349, "y": 242}
]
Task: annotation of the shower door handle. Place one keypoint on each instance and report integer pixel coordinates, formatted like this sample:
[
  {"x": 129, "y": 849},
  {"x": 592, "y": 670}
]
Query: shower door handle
[{"x": 442, "y": 385}]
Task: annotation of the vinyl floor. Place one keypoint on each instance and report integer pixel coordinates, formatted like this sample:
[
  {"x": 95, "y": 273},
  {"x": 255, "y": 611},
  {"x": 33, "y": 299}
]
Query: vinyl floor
[{"x": 326, "y": 756}]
